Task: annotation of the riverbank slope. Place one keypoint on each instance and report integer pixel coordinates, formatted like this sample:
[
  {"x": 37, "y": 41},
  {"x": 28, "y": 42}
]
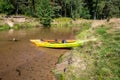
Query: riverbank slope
[{"x": 98, "y": 60}]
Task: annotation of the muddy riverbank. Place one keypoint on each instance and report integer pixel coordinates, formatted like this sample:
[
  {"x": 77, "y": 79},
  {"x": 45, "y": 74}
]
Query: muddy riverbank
[{"x": 22, "y": 60}]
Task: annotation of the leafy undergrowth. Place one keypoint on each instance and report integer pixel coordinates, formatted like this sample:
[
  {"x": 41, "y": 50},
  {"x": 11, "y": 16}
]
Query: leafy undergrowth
[{"x": 97, "y": 60}]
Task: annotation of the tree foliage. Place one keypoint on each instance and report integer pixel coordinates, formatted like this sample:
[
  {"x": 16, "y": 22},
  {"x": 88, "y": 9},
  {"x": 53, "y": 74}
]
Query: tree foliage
[
  {"x": 6, "y": 6},
  {"x": 48, "y": 9},
  {"x": 44, "y": 12}
]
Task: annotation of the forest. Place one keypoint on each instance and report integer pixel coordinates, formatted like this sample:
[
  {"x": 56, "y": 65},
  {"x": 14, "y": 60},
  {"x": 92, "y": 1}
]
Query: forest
[{"x": 46, "y": 10}]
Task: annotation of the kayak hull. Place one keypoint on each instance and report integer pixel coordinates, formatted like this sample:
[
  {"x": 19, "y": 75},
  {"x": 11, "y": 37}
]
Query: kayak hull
[{"x": 59, "y": 44}]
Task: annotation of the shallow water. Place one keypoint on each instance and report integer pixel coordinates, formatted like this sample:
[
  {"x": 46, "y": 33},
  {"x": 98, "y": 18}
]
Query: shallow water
[{"x": 22, "y": 60}]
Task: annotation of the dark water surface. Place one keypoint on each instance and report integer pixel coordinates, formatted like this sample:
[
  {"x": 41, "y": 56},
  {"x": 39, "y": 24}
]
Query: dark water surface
[{"x": 22, "y": 60}]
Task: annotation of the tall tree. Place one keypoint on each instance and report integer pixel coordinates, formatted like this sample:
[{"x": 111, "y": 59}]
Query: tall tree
[
  {"x": 73, "y": 8},
  {"x": 44, "y": 12},
  {"x": 94, "y": 9},
  {"x": 95, "y": 12}
]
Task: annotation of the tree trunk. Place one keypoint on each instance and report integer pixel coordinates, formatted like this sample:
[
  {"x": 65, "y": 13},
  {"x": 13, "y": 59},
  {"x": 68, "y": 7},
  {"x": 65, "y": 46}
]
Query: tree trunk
[
  {"x": 95, "y": 13},
  {"x": 17, "y": 7},
  {"x": 33, "y": 5},
  {"x": 65, "y": 10}
]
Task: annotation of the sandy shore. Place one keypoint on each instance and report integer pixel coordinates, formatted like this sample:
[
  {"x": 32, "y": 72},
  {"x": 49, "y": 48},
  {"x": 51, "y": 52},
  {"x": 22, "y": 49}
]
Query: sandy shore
[{"x": 24, "y": 61}]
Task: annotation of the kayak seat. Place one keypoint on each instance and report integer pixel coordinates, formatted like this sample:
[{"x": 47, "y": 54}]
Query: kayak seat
[{"x": 64, "y": 41}]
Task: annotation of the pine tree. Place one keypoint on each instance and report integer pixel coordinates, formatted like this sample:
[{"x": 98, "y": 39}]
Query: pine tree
[{"x": 44, "y": 12}]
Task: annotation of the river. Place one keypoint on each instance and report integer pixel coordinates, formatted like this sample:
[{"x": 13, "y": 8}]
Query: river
[{"x": 22, "y": 60}]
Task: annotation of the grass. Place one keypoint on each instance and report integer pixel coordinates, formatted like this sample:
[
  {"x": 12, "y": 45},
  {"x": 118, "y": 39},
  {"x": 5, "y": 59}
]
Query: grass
[
  {"x": 95, "y": 60},
  {"x": 30, "y": 22},
  {"x": 18, "y": 26},
  {"x": 67, "y": 22},
  {"x": 26, "y": 25},
  {"x": 108, "y": 59},
  {"x": 4, "y": 27},
  {"x": 60, "y": 22},
  {"x": 57, "y": 22}
]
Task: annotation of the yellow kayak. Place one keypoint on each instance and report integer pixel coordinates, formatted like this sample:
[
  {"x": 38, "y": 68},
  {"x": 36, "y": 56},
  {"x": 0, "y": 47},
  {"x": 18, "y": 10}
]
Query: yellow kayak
[{"x": 57, "y": 44}]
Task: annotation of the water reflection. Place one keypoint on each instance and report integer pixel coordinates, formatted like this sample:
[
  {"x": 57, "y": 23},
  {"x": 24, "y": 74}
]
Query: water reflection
[{"x": 38, "y": 33}]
